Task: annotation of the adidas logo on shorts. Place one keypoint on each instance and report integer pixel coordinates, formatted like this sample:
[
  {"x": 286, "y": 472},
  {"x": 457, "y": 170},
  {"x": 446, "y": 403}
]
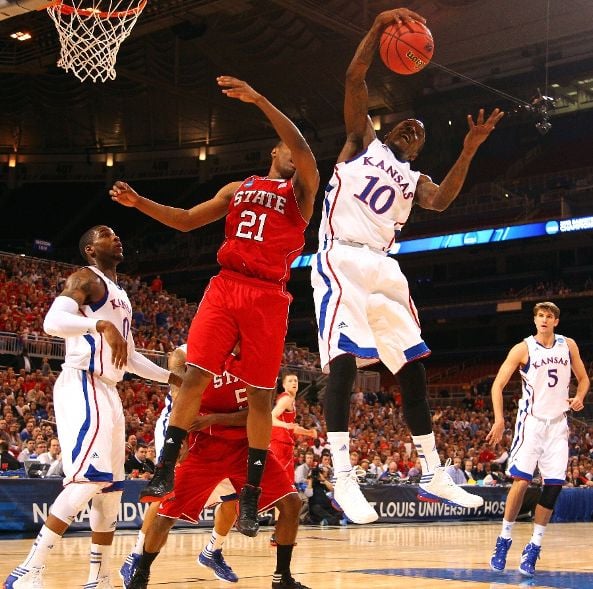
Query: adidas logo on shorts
[
  {"x": 257, "y": 463},
  {"x": 341, "y": 325},
  {"x": 94, "y": 455}
]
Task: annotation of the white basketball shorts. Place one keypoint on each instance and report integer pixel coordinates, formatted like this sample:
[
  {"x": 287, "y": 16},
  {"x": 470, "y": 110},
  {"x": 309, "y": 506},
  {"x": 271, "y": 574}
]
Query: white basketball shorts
[
  {"x": 541, "y": 444},
  {"x": 91, "y": 428},
  {"x": 363, "y": 307}
]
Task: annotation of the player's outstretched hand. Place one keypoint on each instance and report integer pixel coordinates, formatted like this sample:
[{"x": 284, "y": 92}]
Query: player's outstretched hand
[
  {"x": 398, "y": 15},
  {"x": 235, "y": 88},
  {"x": 479, "y": 130},
  {"x": 124, "y": 194},
  {"x": 495, "y": 434},
  {"x": 118, "y": 345}
]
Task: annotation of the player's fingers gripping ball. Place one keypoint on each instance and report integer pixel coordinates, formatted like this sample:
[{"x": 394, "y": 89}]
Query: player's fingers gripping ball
[{"x": 406, "y": 48}]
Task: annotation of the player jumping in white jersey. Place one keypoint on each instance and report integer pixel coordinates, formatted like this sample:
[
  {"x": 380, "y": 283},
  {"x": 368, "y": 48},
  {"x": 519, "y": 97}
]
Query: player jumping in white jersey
[
  {"x": 362, "y": 301},
  {"x": 545, "y": 361},
  {"x": 93, "y": 314}
]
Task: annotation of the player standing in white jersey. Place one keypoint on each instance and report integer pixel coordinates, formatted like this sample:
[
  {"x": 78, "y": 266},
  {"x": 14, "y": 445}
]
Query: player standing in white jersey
[
  {"x": 545, "y": 361},
  {"x": 93, "y": 314},
  {"x": 362, "y": 301}
]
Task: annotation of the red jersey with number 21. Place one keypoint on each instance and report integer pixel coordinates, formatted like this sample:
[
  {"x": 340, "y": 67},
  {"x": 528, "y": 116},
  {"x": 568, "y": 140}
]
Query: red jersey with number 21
[{"x": 264, "y": 230}]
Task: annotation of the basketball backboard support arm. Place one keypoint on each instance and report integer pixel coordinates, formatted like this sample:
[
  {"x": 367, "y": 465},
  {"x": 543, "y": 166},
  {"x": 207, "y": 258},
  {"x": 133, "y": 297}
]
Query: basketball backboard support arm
[{"x": 10, "y": 8}]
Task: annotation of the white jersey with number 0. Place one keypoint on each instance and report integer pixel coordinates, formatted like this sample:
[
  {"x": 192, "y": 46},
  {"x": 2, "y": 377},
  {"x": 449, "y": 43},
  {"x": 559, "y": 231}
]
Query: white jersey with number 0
[
  {"x": 546, "y": 379},
  {"x": 90, "y": 351},
  {"x": 368, "y": 199}
]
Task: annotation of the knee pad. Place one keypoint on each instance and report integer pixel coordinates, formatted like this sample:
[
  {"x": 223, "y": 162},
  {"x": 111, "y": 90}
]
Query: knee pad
[
  {"x": 104, "y": 510},
  {"x": 73, "y": 499},
  {"x": 336, "y": 403},
  {"x": 412, "y": 380},
  {"x": 549, "y": 496}
]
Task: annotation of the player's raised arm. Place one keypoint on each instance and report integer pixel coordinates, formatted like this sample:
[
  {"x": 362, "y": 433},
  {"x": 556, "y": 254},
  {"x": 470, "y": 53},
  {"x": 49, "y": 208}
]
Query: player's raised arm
[
  {"x": 439, "y": 197},
  {"x": 359, "y": 130},
  {"x": 306, "y": 177},
  {"x": 177, "y": 218}
]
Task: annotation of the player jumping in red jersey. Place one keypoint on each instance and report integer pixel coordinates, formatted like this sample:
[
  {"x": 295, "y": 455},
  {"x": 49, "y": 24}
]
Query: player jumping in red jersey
[
  {"x": 247, "y": 301},
  {"x": 213, "y": 470}
]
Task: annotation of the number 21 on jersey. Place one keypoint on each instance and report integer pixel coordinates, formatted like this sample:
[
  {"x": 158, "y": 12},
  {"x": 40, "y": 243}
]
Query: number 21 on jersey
[{"x": 252, "y": 226}]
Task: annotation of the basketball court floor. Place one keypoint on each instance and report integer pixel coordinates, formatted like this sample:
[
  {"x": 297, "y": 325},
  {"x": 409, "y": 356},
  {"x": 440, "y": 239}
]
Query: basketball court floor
[{"x": 423, "y": 556}]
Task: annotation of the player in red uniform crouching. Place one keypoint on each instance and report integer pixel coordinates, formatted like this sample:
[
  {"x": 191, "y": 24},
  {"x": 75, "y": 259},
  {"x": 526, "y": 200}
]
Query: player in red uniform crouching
[{"x": 213, "y": 471}]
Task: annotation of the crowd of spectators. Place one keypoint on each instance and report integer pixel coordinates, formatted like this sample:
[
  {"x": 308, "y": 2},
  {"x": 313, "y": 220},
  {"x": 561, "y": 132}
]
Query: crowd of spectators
[
  {"x": 28, "y": 286},
  {"x": 381, "y": 444}
]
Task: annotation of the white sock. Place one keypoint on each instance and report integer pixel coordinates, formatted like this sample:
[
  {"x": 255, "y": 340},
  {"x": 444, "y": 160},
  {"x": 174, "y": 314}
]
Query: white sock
[
  {"x": 507, "y": 529},
  {"x": 43, "y": 544},
  {"x": 538, "y": 534},
  {"x": 100, "y": 562},
  {"x": 216, "y": 541},
  {"x": 340, "y": 450},
  {"x": 427, "y": 452},
  {"x": 139, "y": 547}
]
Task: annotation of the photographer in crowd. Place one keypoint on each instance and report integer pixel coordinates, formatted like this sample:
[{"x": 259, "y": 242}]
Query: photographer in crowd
[{"x": 321, "y": 510}]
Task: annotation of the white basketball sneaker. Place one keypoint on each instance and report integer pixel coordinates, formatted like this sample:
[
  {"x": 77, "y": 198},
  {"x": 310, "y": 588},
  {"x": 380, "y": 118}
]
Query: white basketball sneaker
[
  {"x": 100, "y": 583},
  {"x": 349, "y": 497},
  {"x": 22, "y": 578},
  {"x": 442, "y": 488}
]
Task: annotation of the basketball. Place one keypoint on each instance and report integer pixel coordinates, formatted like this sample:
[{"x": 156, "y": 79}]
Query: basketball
[{"x": 406, "y": 48}]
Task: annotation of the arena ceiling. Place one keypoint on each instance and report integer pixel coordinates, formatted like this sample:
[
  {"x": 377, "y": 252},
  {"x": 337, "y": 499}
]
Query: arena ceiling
[{"x": 294, "y": 51}]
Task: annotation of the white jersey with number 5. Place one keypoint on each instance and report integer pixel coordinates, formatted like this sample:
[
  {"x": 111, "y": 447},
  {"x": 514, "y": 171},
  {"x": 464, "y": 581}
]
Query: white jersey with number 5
[
  {"x": 546, "y": 379},
  {"x": 90, "y": 351},
  {"x": 368, "y": 199}
]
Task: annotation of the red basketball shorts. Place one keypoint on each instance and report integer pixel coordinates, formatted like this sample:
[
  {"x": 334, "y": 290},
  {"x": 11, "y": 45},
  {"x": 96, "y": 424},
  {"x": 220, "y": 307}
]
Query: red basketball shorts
[
  {"x": 238, "y": 309},
  {"x": 212, "y": 460}
]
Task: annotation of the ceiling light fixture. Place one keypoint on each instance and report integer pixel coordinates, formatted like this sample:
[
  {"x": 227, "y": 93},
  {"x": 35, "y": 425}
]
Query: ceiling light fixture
[{"x": 21, "y": 36}]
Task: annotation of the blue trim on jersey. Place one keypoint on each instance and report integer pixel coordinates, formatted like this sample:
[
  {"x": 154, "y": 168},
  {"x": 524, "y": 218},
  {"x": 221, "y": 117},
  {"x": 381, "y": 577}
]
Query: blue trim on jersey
[
  {"x": 96, "y": 306},
  {"x": 326, "y": 296},
  {"x": 554, "y": 482},
  {"x": 416, "y": 351},
  {"x": 231, "y": 497},
  {"x": 87, "y": 419},
  {"x": 117, "y": 486},
  {"x": 515, "y": 472},
  {"x": 356, "y": 157},
  {"x": 347, "y": 345},
  {"x": 92, "y": 474},
  {"x": 91, "y": 340}
]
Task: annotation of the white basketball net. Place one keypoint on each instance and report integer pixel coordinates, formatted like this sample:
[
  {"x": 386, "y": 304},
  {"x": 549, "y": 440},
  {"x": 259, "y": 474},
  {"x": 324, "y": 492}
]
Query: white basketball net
[{"x": 91, "y": 32}]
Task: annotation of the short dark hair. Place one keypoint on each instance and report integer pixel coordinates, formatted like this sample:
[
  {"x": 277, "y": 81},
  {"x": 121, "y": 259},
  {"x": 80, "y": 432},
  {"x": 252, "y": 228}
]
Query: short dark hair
[{"x": 87, "y": 239}]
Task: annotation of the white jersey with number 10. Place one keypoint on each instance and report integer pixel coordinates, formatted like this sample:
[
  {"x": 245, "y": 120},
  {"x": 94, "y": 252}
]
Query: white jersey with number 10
[{"x": 368, "y": 199}]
